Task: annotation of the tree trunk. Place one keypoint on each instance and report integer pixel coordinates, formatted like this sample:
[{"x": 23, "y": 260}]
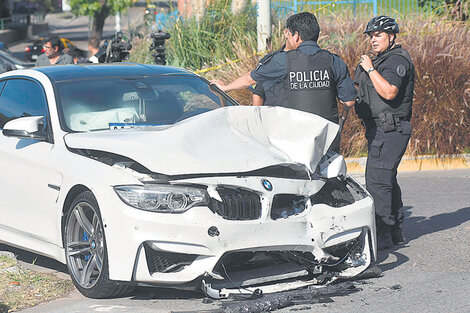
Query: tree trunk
[
  {"x": 238, "y": 6},
  {"x": 185, "y": 8},
  {"x": 97, "y": 22},
  {"x": 199, "y": 8}
]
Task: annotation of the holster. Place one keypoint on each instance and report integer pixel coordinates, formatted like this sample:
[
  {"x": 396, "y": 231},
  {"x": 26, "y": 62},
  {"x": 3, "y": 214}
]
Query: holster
[{"x": 388, "y": 121}]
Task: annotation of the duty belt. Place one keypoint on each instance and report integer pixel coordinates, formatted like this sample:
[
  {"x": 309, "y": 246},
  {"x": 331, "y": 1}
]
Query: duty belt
[{"x": 376, "y": 122}]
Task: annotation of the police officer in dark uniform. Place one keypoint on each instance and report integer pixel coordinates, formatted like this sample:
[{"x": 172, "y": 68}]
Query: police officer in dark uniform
[
  {"x": 385, "y": 94},
  {"x": 302, "y": 76},
  {"x": 258, "y": 95}
]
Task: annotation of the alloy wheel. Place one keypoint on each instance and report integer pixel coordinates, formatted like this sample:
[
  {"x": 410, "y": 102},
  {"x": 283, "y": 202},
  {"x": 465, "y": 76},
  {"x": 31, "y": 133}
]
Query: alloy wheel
[{"x": 84, "y": 244}]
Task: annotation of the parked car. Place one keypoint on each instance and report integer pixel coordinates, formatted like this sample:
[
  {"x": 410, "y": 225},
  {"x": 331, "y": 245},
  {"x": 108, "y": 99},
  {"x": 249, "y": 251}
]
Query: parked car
[
  {"x": 9, "y": 63},
  {"x": 4, "y": 47},
  {"x": 148, "y": 175},
  {"x": 31, "y": 52}
]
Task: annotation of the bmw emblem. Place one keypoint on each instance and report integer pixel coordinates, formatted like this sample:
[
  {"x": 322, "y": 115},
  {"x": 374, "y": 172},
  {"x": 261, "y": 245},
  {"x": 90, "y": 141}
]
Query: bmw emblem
[{"x": 267, "y": 184}]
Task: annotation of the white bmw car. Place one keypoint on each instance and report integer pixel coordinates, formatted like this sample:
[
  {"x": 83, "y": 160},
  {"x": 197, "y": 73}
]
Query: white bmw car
[{"x": 147, "y": 175}]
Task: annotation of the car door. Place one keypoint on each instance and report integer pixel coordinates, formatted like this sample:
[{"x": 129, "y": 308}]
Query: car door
[{"x": 29, "y": 181}]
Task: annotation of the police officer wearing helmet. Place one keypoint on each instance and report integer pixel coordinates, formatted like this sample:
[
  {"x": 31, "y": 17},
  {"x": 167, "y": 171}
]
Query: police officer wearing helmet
[
  {"x": 385, "y": 94},
  {"x": 302, "y": 76}
]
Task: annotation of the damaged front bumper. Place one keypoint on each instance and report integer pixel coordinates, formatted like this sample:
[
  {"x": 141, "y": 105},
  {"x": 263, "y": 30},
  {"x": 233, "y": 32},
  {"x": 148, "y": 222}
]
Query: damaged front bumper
[
  {"x": 299, "y": 271},
  {"x": 288, "y": 243}
]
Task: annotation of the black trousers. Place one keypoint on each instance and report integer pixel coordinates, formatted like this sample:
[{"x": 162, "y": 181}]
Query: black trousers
[{"x": 385, "y": 153}]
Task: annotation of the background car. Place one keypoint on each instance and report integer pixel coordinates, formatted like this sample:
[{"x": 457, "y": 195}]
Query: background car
[
  {"x": 31, "y": 52},
  {"x": 9, "y": 63},
  {"x": 149, "y": 175},
  {"x": 4, "y": 47}
]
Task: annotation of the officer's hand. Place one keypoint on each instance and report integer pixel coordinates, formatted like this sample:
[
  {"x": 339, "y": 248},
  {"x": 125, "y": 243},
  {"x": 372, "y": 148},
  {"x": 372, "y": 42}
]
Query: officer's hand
[
  {"x": 365, "y": 62},
  {"x": 220, "y": 84},
  {"x": 348, "y": 104}
]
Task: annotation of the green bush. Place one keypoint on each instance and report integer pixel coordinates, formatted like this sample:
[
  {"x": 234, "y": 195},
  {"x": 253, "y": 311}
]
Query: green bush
[{"x": 214, "y": 39}]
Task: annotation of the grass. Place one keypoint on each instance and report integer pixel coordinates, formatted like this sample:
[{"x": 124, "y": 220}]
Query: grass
[{"x": 21, "y": 288}]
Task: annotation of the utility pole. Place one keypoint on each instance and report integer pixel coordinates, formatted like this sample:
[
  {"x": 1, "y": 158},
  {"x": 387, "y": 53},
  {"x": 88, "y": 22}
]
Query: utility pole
[
  {"x": 118, "y": 22},
  {"x": 264, "y": 24}
]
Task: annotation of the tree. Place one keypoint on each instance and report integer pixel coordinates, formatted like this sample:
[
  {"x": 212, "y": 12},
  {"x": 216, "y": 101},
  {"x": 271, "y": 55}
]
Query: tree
[
  {"x": 46, "y": 6},
  {"x": 457, "y": 9},
  {"x": 98, "y": 11}
]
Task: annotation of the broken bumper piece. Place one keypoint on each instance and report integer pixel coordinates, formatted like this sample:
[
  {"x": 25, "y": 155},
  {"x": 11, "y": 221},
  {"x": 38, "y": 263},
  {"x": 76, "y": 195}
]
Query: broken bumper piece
[
  {"x": 286, "y": 270},
  {"x": 224, "y": 293}
]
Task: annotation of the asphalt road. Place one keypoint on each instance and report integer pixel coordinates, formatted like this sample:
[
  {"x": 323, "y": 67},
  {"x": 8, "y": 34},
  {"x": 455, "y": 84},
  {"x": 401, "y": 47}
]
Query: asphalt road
[{"x": 429, "y": 274}]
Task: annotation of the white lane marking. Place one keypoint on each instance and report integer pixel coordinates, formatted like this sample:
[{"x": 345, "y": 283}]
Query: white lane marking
[{"x": 107, "y": 308}]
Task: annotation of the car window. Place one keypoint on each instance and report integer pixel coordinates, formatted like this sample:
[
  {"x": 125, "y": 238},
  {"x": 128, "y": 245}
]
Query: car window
[
  {"x": 102, "y": 103},
  {"x": 10, "y": 58},
  {"x": 21, "y": 97}
]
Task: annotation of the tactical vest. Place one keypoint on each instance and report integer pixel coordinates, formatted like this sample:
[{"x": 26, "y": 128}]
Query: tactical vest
[
  {"x": 309, "y": 85},
  {"x": 370, "y": 104}
]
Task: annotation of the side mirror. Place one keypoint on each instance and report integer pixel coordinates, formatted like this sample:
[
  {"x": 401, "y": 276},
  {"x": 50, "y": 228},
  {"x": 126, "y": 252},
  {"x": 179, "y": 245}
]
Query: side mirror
[{"x": 30, "y": 127}]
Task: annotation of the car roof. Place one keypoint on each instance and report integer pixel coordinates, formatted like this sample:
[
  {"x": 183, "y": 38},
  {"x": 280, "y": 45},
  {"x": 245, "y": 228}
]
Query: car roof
[{"x": 84, "y": 71}]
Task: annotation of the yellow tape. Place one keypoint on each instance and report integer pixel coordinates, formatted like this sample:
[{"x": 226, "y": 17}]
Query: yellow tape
[
  {"x": 325, "y": 6},
  {"x": 205, "y": 70},
  {"x": 216, "y": 67}
]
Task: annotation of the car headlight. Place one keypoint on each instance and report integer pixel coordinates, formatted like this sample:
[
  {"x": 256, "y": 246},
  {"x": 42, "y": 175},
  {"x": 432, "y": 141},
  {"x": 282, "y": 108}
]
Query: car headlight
[{"x": 162, "y": 198}]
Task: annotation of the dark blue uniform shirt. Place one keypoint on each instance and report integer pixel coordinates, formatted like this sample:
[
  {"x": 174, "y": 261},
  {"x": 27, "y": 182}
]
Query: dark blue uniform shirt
[
  {"x": 273, "y": 71},
  {"x": 395, "y": 70}
]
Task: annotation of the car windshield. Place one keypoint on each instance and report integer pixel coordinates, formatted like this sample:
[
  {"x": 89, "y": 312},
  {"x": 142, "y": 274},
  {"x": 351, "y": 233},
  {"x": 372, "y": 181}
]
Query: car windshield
[{"x": 124, "y": 102}]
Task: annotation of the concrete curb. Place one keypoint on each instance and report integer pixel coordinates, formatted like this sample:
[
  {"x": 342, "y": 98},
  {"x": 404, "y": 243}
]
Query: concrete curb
[{"x": 417, "y": 163}]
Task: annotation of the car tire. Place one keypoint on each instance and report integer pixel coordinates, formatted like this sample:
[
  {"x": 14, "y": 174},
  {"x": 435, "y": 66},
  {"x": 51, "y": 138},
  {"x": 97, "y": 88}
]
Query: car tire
[{"x": 85, "y": 250}]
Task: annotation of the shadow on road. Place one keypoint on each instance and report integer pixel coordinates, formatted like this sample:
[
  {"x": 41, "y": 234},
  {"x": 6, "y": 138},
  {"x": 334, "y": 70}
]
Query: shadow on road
[
  {"x": 149, "y": 293},
  {"x": 418, "y": 226},
  {"x": 383, "y": 255}
]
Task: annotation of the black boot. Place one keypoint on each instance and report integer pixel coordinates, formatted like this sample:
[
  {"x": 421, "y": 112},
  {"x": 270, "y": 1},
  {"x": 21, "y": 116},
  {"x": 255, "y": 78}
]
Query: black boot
[
  {"x": 398, "y": 237},
  {"x": 384, "y": 237}
]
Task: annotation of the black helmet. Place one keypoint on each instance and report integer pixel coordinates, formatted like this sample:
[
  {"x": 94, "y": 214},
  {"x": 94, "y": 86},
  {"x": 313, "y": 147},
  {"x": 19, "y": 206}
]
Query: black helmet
[{"x": 383, "y": 23}]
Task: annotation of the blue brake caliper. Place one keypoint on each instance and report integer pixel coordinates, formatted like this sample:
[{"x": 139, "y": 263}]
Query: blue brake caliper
[{"x": 85, "y": 237}]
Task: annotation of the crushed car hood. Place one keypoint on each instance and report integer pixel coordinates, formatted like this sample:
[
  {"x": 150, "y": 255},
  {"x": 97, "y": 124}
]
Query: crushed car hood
[{"x": 232, "y": 139}]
